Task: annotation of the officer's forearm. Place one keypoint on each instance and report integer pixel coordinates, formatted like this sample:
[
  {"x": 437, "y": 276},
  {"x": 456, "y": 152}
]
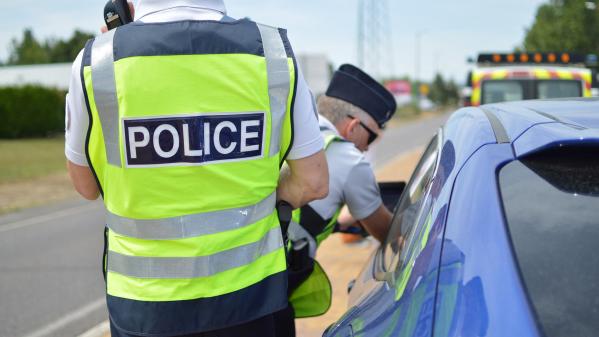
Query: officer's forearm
[
  {"x": 304, "y": 180},
  {"x": 83, "y": 180},
  {"x": 378, "y": 223}
]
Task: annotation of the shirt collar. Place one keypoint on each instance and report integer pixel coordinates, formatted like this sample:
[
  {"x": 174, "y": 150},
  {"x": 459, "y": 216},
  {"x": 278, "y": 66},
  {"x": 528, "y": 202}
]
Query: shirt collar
[
  {"x": 323, "y": 122},
  {"x": 146, "y": 7}
]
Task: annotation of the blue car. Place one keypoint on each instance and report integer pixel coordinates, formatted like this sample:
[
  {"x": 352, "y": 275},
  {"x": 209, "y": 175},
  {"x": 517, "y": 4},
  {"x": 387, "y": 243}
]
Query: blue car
[{"x": 495, "y": 234}]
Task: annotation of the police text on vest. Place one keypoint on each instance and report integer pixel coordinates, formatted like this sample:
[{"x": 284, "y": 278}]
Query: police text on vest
[{"x": 193, "y": 140}]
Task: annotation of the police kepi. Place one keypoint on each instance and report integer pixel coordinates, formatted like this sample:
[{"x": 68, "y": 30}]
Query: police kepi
[{"x": 352, "y": 85}]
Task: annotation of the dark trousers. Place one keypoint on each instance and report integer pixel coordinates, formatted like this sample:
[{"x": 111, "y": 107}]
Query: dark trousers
[
  {"x": 262, "y": 327},
  {"x": 285, "y": 322}
]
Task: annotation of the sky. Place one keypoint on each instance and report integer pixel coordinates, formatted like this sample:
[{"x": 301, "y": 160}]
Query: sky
[{"x": 449, "y": 31}]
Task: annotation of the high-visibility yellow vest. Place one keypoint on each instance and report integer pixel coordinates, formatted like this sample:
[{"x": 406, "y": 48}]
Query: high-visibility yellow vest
[
  {"x": 189, "y": 124},
  {"x": 313, "y": 297}
]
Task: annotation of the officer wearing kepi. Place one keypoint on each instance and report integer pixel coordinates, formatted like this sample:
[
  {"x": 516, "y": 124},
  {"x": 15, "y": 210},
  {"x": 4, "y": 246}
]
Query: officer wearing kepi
[
  {"x": 182, "y": 120},
  {"x": 352, "y": 115}
]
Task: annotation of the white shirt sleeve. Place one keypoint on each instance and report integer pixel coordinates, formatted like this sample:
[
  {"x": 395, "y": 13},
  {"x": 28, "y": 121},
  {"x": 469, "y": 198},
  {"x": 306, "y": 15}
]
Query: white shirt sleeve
[
  {"x": 307, "y": 139},
  {"x": 77, "y": 119},
  {"x": 361, "y": 191},
  {"x": 351, "y": 182}
]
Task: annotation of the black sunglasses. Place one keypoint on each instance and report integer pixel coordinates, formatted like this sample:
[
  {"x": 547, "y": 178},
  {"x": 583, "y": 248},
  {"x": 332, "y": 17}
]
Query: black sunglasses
[{"x": 371, "y": 134}]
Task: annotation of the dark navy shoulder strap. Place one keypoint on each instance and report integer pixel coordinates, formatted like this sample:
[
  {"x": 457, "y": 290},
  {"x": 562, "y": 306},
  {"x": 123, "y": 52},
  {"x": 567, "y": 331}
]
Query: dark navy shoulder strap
[
  {"x": 188, "y": 38},
  {"x": 227, "y": 18},
  {"x": 228, "y": 36}
]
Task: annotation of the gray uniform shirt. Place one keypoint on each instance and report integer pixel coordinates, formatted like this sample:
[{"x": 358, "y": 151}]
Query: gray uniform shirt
[{"x": 351, "y": 180}]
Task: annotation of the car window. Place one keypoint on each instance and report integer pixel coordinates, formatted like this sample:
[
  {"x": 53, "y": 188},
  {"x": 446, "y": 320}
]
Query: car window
[
  {"x": 502, "y": 91},
  {"x": 410, "y": 206},
  {"x": 551, "y": 203},
  {"x": 559, "y": 89}
]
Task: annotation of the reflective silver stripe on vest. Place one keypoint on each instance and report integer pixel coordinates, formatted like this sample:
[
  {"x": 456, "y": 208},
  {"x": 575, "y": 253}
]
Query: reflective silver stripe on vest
[
  {"x": 104, "y": 86},
  {"x": 279, "y": 81},
  {"x": 192, "y": 267},
  {"x": 191, "y": 225}
]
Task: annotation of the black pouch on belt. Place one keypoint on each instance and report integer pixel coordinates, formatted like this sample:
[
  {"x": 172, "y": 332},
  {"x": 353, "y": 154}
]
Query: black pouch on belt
[{"x": 301, "y": 266}]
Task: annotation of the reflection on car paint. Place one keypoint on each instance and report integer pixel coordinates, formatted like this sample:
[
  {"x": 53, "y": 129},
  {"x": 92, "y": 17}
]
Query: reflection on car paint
[
  {"x": 415, "y": 282},
  {"x": 453, "y": 292}
]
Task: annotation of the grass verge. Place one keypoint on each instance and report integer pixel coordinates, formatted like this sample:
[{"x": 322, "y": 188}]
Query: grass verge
[
  {"x": 32, "y": 173},
  {"x": 26, "y": 159}
]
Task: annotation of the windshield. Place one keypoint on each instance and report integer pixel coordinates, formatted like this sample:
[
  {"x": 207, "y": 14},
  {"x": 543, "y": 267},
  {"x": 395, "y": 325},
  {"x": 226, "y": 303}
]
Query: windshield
[
  {"x": 559, "y": 89},
  {"x": 496, "y": 91},
  {"x": 502, "y": 91},
  {"x": 552, "y": 211}
]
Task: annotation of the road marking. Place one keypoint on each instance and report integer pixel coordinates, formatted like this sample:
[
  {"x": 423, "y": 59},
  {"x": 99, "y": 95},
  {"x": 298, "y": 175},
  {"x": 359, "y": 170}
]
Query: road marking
[
  {"x": 99, "y": 330},
  {"x": 68, "y": 319},
  {"x": 47, "y": 217}
]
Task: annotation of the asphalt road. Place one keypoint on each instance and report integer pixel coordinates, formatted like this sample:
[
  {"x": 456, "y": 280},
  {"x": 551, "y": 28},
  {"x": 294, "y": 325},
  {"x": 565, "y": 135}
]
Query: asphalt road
[
  {"x": 50, "y": 270},
  {"x": 50, "y": 257},
  {"x": 405, "y": 138}
]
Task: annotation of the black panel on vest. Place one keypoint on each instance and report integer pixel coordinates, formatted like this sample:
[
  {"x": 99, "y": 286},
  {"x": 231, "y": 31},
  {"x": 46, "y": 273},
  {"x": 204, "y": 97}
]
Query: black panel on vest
[
  {"x": 312, "y": 221},
  {"x": 228, "y": 36},
  {"x": 287, "y": 44},
  {"x": 87, "y": 54},
  {"x": 187, "y": 38},
  {"x": 205, "y": 314},
  {"x": 227, "y": 18}
]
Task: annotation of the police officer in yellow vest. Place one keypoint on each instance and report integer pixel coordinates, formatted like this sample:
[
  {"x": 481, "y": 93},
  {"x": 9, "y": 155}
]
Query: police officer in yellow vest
[
  {"x": 352, "y": 114},
  {"x": 181, "y": 120}
]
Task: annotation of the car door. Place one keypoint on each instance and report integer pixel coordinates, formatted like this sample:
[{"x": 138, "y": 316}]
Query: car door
[{"x": 386, "y": 301}]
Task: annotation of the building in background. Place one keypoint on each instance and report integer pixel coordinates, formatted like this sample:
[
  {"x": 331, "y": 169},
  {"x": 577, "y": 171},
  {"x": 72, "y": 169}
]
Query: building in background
[
  {"x": 401, "y": 90},
  {"x": 48, "y": 75},
  {"x": 317, "y": 70}
]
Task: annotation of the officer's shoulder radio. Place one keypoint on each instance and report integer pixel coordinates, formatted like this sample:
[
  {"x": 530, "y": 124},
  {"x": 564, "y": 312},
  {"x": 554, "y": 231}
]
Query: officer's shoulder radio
[{"x": 117, "y": 13}]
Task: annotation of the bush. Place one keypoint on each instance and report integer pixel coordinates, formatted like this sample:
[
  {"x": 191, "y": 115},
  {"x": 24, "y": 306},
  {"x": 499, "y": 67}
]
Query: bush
[{"x": 31, "y": 111}]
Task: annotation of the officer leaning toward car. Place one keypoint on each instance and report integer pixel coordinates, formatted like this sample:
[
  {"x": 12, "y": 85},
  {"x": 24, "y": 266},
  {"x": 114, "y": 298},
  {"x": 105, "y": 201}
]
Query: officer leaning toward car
[
  {"x": 352, "y": 115},
  {"x": 181, "y": 120}
]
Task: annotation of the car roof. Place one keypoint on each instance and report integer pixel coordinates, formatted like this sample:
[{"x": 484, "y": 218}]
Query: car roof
[{"x": 531, "y": 126}]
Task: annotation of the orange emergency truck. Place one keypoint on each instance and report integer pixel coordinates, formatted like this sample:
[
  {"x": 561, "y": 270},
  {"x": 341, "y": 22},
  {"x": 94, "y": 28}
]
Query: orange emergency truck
[{"x": 521, "y": 76}]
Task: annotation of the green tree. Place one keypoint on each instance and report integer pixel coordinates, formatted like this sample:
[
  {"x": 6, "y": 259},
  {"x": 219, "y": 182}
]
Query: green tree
[
  {"x": 443, "y": 92},
  {"x": 438, "y": 91},
  {"x": 28, "y": 50},
  {"x": 453, "y": 93},
  {"x": 565, "y": 25},
  {"x": 67, "y": 50}
]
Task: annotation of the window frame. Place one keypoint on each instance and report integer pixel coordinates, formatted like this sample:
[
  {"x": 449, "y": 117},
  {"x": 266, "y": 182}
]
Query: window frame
[{"x": 381, "y": 272}]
